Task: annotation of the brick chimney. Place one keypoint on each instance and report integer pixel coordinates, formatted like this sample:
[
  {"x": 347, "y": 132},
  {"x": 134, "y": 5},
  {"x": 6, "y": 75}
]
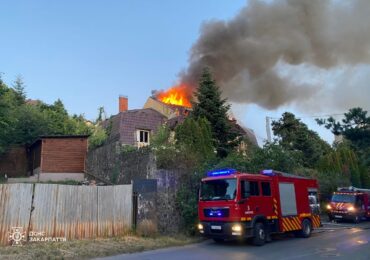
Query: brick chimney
[{"x": 123, "y": 104}]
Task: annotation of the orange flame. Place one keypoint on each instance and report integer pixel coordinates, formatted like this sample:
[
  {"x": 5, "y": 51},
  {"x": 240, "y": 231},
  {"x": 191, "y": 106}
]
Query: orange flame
[{"x": 177, "y": 95}]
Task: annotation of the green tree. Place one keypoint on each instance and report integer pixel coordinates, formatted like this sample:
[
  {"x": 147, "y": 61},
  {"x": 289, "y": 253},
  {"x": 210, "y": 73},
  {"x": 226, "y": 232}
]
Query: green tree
[
  {"x": 99, "y": 132},
  {"x": 187, "y": 150},
  {"x": 8, "y": 105},
  {"x": 59, "y": 122},
  {"x": 188, "y": 147},
  {"x": 212, "y": 107},
  {"x": 195, "y": 138},
  {"x": 101, "y": 115},
  {"x": 78, "y": 125},
  {"x": 270, "y": 156},
  {"x": 162, "y": 137},
  {"x": 339, "y": 168},
  {"x": 19, "y": 88},
  {"x": 29, "y": 124},
  {"x": 187, "y": 199},
  {"x": 294, "y": 135},
  {"x": 21, "y": 123},
  {"x": 355, "y": 127},
  {"x": 275, "y": 156},
  {"x": 97, "y": 137},
  {"x": 57, "y": 117},
  {"x": 163, "y": 145}
]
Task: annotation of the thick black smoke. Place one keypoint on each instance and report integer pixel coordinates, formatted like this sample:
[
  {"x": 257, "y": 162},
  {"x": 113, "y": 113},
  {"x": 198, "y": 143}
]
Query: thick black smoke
[{"x": 243, "y": 53}]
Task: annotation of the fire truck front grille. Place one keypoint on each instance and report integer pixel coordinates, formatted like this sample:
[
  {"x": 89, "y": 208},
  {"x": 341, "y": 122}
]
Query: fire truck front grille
[{"x": 216, "y": 212}]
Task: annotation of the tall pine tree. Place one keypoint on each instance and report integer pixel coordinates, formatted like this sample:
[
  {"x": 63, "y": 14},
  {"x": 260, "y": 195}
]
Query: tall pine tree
[
  {"x": 211, "y": 106},
  {"x": 19, "y": 88},
  {"x": 294, "y": 135}
]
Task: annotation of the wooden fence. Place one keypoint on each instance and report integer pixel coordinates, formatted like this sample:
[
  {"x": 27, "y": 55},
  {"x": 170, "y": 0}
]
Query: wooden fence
[
  {"x": 15, "y": 208},
  {"x": 74, "y": 212}
]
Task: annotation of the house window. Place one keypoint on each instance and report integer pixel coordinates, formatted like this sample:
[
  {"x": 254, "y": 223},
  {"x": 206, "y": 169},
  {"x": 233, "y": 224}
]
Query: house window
[{"x": 142, "y": 137}]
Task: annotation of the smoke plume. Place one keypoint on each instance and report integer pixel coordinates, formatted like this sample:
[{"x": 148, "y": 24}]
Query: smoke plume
[{"x": 244, "y": 53}]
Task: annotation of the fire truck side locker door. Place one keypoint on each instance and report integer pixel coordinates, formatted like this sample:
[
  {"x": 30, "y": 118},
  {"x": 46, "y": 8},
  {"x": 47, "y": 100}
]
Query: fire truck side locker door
[{"x": 288, "y": 201}]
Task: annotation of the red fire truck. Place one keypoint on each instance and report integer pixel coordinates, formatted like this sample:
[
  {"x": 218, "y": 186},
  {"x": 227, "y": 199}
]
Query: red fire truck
[
  {"x": 349, "y": 203},
  {"x": 236, "y": 205}
]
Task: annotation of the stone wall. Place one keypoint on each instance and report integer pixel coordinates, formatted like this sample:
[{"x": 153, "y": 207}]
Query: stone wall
[
  {"x": 119, "y": 165},
  {"x": 167, "y": 212},
  {"x": 122, "y": 166}
]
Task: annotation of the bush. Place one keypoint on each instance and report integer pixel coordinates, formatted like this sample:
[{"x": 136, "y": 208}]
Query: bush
[
  {"x": 187, "y": 201},
  {"x": 98, "y": 137}
]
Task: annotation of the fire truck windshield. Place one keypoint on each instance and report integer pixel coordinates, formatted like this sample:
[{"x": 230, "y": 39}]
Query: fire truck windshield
[
  {"x": 343, "y": 198},
  {"x": 221, "y": 189}
]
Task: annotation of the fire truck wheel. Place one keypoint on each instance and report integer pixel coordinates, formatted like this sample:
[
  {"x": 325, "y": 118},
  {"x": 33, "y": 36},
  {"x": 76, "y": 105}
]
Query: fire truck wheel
[
  {"x": 259, "y": 234},
  {"x": 306, "y": 229},
  {"x": 356, "y": 219}
]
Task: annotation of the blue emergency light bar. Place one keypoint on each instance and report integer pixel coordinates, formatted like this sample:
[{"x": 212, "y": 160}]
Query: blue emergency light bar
[
  {"x": 268, "y": 172},
  {"x": 221, "y": 172}
]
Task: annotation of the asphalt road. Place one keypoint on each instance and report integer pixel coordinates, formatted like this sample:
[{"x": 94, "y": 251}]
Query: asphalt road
[{"x": 338, "y": 241}]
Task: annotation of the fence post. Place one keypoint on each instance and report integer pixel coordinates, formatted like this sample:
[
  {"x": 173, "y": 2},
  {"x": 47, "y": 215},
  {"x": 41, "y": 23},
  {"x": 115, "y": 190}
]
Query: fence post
[
  {"x": 134, "y": 210},
  {"x": 31, "y": 209}
]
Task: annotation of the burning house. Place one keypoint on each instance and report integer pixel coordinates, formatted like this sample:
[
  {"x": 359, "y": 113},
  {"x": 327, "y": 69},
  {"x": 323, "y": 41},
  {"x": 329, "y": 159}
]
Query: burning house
[
  {"x": 168, "y": 110},
  {"x": 171, "y": 103},
  {"x": 136, "y": 126}
]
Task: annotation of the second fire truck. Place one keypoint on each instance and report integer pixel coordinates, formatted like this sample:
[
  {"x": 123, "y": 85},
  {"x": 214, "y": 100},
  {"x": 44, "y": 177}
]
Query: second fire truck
[
  {"x": 349, "y": 203},
  {"x": 236, "y": 205}
]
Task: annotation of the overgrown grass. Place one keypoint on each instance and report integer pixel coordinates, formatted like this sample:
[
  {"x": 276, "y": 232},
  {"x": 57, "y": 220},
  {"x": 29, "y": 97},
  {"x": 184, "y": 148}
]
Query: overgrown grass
[
  {"x": 85, "y": 249},
  {"x": 147, "y": 228}
]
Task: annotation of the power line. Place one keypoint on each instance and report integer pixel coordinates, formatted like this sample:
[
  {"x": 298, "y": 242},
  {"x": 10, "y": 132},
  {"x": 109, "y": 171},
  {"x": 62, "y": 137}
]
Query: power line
[
  {"x": 330, "y": 115},
  {"x": 312, "y": 116}
]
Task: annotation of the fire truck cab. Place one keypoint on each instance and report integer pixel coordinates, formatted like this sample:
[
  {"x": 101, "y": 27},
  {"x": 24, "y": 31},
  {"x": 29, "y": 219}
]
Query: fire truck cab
[
  {"x": 234, "y": 205},
  {"x": 349, "y": 203}
]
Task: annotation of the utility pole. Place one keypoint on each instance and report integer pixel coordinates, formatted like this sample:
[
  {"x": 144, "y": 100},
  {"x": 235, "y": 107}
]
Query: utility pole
[{"x": 268, "y": 129}]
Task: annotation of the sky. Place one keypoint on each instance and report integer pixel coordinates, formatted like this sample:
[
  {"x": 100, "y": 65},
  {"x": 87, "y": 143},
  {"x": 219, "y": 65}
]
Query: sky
[{"x": 89, "y": 52}]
